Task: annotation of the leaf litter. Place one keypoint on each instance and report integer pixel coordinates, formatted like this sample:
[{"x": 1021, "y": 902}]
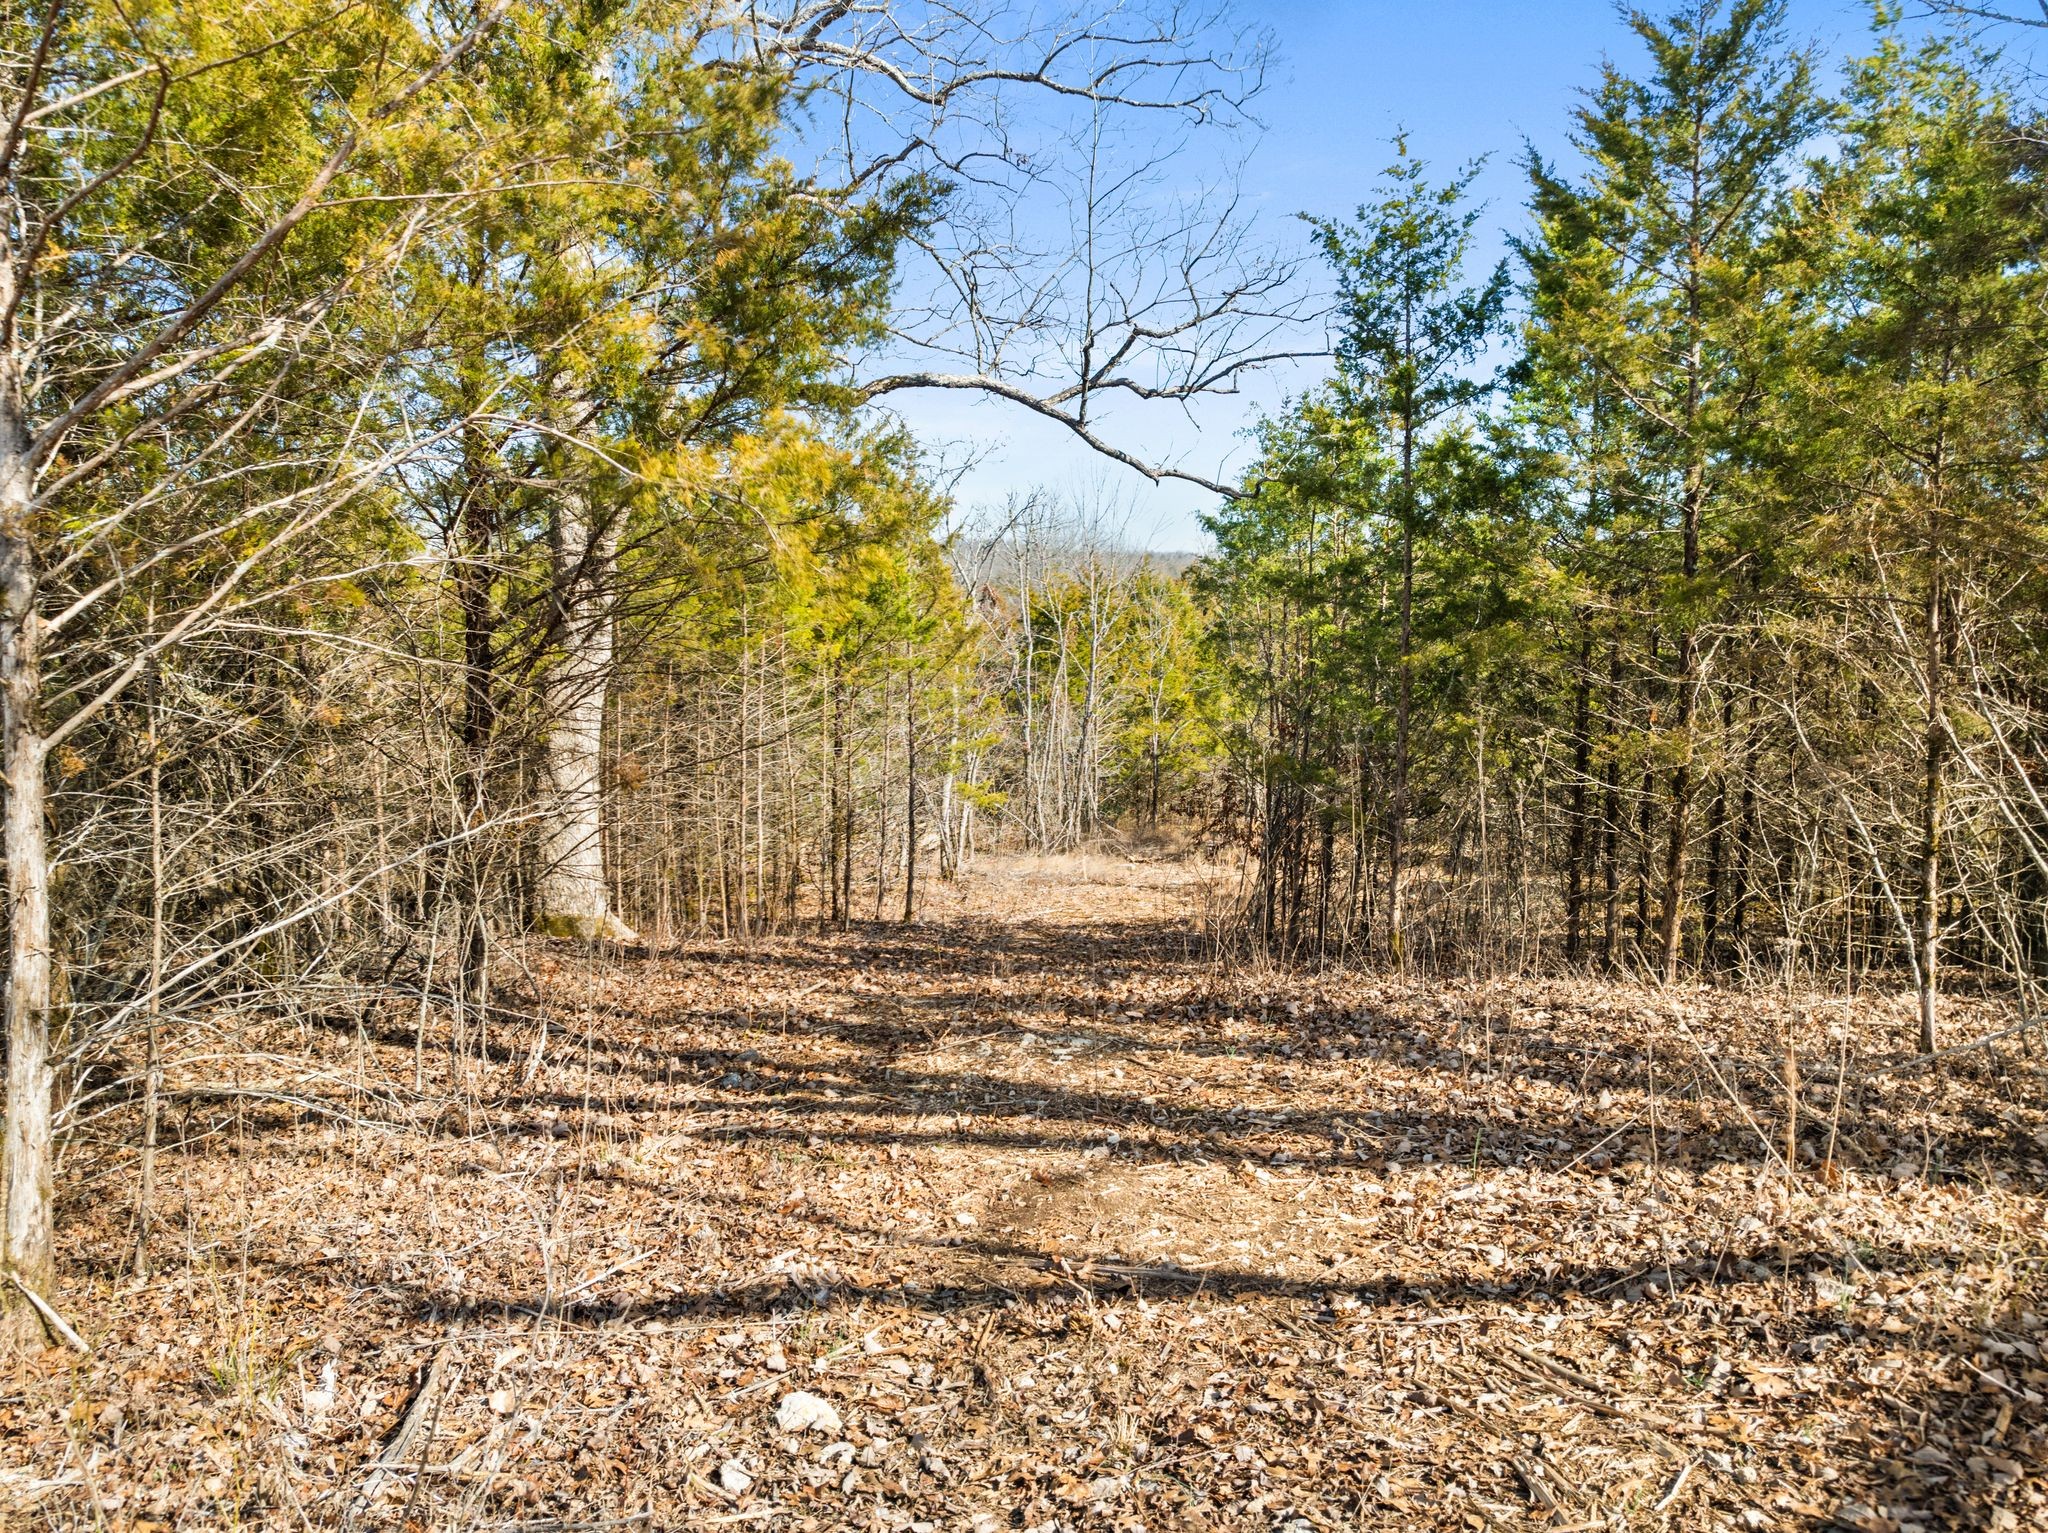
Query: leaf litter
[{"x": 1030, "y": 1216}]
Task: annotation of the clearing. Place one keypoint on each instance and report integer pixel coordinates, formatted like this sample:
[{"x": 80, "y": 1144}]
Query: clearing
[{"x": 1067, "y": 1228}]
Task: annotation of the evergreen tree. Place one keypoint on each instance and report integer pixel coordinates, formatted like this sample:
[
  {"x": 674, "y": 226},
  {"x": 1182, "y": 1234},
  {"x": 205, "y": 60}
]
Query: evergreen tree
[
  {"x": 1409, "y": 333},
  {"x": 1689, "y": 163},
  {"x": 1915, "y": 415},
  {"x": 648, "y": 282}
]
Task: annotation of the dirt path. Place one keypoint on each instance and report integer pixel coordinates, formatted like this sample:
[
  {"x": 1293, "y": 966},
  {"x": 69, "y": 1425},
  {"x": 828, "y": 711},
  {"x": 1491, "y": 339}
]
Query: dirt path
[{"x": 1066, "y": 1229}]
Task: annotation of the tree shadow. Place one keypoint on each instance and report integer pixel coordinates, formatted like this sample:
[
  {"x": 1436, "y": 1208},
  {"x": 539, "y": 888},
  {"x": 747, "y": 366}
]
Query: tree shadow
[{"x": 880, "y": 1094}]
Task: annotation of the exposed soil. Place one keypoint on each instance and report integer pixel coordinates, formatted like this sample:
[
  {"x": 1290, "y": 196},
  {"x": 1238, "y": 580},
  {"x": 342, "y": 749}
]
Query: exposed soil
[{"x": 1067, "y": 1228}]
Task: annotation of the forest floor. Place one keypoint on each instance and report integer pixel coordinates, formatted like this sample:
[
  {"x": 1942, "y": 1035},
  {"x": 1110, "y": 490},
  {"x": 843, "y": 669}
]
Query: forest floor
[{"x": 1028, "y": 1216}]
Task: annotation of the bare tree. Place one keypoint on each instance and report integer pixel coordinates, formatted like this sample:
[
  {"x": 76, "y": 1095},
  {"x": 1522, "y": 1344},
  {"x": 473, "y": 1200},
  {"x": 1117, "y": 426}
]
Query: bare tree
[{"x": 1071, "y": 269}]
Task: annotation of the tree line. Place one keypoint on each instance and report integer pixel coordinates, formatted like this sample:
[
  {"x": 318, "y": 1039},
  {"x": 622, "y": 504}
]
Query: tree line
[{"x": 1669, "y": 599}]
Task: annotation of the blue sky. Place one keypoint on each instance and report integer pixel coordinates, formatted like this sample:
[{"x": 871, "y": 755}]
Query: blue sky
[{"x": 1463, "y": 78}]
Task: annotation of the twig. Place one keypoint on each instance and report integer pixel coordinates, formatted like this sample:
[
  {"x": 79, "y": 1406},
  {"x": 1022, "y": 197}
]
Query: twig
[
  {"x": 1992, "y": 1379},
  {"x": 1905, "y": 1065},
  {"x": 51, "y": 1318},
  {"x": 1835, "y": 1114},
  {"x": 548, "y": 1305},
  {"x": 1791, "y": 1097},
  {"x": 389, "y": 1461},
  {"x": 1584, "y": 1396},
  {"x": 1604, "y": 1139},
  {"x": 1677, "y": 1485},
  {"x": 1551, "y": 1365},
  {"x": 612, "y": 1271},
  {"x": 1730, "y": 1091}
]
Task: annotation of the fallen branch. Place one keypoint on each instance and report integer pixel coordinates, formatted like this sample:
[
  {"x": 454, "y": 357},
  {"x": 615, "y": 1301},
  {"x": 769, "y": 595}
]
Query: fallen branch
[
  {"x": 1584, "y": 1392},
  {"x": 1938, "y": 1055},
  {"x": 307, "y": 1105},
  {"x": 51, "y": 1318},
  {"x": 391, "y": 1461},
  {"x": 1093, "y": 1269}
]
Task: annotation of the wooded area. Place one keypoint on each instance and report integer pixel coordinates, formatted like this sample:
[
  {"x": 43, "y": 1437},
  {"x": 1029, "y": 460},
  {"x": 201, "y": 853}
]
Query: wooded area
[
  {"x": 1712, "y": 645},
  {"x": 487, "y": 683}
]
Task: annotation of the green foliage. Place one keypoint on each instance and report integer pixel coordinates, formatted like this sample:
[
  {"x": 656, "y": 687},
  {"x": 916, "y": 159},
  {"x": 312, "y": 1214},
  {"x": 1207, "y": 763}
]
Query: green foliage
[
  {"x": 1408, "y": 333},
  {"x": 1740, "y": 582}
]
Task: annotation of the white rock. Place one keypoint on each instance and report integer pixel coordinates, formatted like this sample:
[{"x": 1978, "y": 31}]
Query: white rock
[
  {"x": 733, "y": 1476},
  {"x": 806, "y": 1412}
]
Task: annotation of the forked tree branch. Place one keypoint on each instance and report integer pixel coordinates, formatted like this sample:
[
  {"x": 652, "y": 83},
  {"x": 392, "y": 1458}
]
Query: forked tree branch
[{"x": 1003, "y": 388}]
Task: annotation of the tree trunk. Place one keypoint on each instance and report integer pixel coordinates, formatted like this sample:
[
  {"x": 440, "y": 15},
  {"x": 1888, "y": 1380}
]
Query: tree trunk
[
  {"x": 1692, "y": 512},
  {"x": 1582, "y": 762},
  {"x": 842, "y": 898},
  {"x": 1745, "y": 843},
  {"x": 1610, "y": 815},
  {"x": 1397, "y": 809},
  {"x": 1646, "y": 820},
  {"x": 574, "y": 900},
  {"x": 828, "y": 896},
  {"x": 909, "y": 790},
  {"x": 476, "y": 528},
  {"x": 1157, "y": 754},
  {"x": 1717, "y": 860},
  {"x": 1671, "y": 918},
  {"x": 152, "y": 1065},
  {"x": 27, "y": 1248},
  {"x": 1927, "y": 891}
]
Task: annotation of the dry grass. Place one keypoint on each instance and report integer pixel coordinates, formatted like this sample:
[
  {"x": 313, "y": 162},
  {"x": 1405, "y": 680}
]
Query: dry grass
[{"x": 1073, "y": 1230}]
